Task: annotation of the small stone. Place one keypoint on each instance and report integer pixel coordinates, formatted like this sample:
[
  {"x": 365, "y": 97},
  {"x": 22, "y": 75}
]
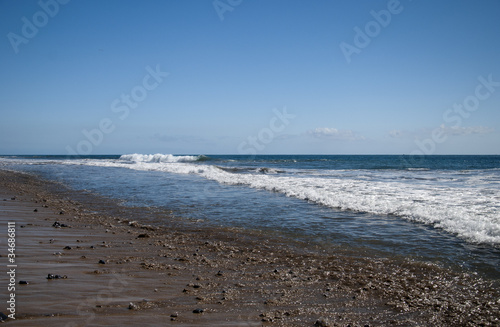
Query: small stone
[
  {"x": 102, "y": 262},
  {"x": 220, "y": 273},
  {"x": 23, "y": 282},
  {"x": 36, "y": 210},
  {"x": 3, "y": 316},
  {"x": 174, "y": 315},
  {"x": 132, "y": 306},
  {"x": 61, "y": 212},
  {"x": 322, "y": 322},
  {"x": 143, "y": 236},
  {"x": 198, "y": 311},
  {"x": 270, "y": 301},
  {"x": 51, "y": 276},
  {"x": 67, "y": 248}
]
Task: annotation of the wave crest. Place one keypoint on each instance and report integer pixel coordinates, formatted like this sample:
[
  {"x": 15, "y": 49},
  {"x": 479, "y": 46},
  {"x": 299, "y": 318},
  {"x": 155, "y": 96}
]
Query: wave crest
[{"x": 160, "y": 158}]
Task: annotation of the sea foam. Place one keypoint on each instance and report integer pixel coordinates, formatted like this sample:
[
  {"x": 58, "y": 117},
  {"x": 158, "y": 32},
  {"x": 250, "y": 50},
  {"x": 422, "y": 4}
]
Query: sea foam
[
  {"x": 158, "y": 158},
  {"x": 469, "y": 211}
]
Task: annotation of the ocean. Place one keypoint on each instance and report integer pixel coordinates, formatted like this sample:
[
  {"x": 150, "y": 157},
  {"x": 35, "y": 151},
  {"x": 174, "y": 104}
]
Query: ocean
[{"x": 439, "y": 209}]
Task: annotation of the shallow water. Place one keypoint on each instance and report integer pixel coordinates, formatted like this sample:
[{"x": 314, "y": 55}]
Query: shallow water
[{"x": 444, "y": 210}]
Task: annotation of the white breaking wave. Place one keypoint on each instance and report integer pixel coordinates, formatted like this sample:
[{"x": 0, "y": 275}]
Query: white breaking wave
[
  {"x": 157, "y": 158},
  {"x": 470, "y": 212}
]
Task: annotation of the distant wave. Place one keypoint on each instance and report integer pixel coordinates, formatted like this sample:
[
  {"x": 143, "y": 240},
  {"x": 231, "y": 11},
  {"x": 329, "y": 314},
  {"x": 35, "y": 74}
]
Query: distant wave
[{"x": 159, "y": 158}]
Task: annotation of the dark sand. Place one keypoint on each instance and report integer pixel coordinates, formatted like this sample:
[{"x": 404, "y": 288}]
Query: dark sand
[{"x": 157, "y": 276}]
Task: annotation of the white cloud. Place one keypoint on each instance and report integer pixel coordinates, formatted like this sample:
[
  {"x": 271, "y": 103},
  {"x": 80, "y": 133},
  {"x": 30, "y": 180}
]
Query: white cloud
[
  {"x": 334, "y": 134},
  {"x": 459, "y": 130},
  {"x": 451, "y": 131}
]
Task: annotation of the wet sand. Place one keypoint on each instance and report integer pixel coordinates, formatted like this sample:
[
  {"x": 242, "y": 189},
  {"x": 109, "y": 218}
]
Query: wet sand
[{"x": 125, "y": 270}]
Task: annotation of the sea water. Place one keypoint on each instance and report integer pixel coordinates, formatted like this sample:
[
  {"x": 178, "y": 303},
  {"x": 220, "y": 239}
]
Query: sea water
[{"x": 443, "y": 209}]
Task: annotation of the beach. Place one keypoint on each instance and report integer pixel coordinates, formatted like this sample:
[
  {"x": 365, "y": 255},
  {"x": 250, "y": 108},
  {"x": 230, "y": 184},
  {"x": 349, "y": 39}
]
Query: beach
[
  {"x": 108, "y": 268},
  {"x": 250, "y": 163}
]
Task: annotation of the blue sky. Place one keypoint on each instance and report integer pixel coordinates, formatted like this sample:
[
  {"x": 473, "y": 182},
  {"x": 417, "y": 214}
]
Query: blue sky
[{"x": 250, "y": 77}]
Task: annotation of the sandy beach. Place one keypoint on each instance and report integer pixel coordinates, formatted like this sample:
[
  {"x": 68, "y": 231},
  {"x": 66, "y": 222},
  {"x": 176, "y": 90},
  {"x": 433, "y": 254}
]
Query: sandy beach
[{"x": 116, "y": 269}]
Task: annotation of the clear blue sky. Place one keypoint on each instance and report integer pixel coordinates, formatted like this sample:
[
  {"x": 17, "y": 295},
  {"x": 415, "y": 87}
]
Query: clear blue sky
[{"x": 250, "y": 76}]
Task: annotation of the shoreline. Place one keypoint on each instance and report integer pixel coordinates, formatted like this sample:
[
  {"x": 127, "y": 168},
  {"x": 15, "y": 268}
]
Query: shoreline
[{"x": 151, "y": 275}]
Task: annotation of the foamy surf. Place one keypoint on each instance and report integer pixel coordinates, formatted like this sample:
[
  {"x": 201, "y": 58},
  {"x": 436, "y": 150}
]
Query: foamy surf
[
  {"x": 466, "y": 205},
  {"x": 158, "y": 158}
]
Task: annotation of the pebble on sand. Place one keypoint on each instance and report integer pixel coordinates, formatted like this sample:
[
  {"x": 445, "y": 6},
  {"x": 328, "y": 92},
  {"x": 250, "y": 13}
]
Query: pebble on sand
[
  {"x": 51, "y": 276},
  {"x": 323, "y": 322}
]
